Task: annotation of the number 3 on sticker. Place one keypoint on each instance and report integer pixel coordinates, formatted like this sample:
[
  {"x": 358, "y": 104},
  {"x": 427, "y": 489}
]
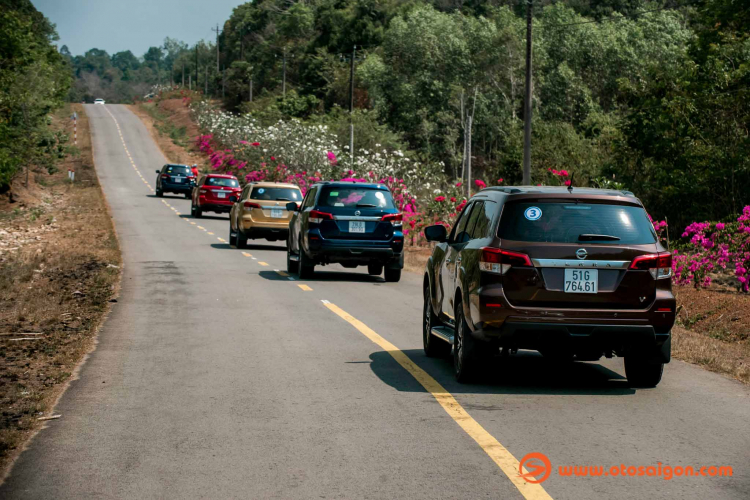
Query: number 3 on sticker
[{"x": 533, "y": 213}]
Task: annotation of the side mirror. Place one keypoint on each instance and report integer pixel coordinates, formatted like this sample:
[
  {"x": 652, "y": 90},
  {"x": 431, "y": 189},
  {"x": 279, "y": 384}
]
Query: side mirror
[
  {"x": 158, "y": 171},
  {"x": 291, "y": 206},
  {"x": 436, "y": 233},
  {"x": 233, "y": 199}
]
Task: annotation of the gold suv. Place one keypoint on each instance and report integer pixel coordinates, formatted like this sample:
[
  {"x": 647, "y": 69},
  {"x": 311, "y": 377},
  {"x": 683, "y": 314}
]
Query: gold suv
[{"x": 260, "y": 212}]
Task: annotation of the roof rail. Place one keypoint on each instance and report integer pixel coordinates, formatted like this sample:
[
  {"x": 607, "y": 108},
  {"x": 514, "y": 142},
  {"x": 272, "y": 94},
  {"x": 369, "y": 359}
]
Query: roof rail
[{"x": 509, "y": 190}]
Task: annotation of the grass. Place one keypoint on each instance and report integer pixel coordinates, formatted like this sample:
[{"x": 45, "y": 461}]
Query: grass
[
  {"x": 58, "y": 283},
  {"x": 165, "y": 126}
]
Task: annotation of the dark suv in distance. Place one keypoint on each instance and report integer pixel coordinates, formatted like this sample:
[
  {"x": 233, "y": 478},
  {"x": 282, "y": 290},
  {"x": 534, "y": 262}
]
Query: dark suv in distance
[
  {"x": 177, "y": 179},
  {"x": 353, "y": 224},
  {"x": 573, "y": 273}
]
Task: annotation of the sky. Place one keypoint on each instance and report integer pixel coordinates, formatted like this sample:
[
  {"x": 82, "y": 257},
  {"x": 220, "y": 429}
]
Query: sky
[{"x": 135, "y": 25}]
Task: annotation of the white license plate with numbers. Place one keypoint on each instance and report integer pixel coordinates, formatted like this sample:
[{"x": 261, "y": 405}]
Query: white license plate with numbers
[
  {"x": 221, "y": 194},
  {"x": 277, "y": 213},
  {"x": 581, "y": 280},
  {"x": 177, "y": 179},
  {"x": 356, "y": 226}
]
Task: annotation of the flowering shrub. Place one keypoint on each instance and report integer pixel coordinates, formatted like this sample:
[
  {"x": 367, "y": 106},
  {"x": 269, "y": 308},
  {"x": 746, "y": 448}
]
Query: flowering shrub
[{"x": 713, "y": 248}]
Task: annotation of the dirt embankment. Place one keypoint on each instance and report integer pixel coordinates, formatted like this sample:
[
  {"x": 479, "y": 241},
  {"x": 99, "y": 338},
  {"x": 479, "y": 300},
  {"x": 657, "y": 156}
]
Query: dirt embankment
[
  {"x": 172, "y": 128},
  {"x": 59, "y": 270}
]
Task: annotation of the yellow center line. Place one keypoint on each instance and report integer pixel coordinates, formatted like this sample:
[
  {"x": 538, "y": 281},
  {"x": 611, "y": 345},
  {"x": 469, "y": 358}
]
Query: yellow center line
[
  {"x": 246, "y": 254},
  {"x": 210, "y": 233},
  {"x": 193, "y": 223},
  {"x": 201, "y": 227},
  {"x": 305, "y": 288},
  {"x": 262, "y": 263},
  {"x": 222, "y": 240},
  {"x": 496, "y": 451}
]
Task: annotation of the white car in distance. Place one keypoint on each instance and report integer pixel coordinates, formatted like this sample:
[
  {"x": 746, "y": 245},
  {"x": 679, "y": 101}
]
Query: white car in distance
[{"x": 98, "y": 101}]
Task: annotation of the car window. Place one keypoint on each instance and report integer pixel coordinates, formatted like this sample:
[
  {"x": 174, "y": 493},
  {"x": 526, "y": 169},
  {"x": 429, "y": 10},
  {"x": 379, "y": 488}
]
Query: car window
[
  {"x": 355, "y": 197},
  {"x": 310, "y": 198},
  {"x": 276, "y": 193},
  {"x": 460, "y": 235},
  {"x": 561, "y": 222},
  {"x": 476, "y": 212},
  {"x": 246, "y": 192},
  {"x": 222, "y": 181},
  {"x": 177, "y": 170},
  {"x": 483, "y": 220}
]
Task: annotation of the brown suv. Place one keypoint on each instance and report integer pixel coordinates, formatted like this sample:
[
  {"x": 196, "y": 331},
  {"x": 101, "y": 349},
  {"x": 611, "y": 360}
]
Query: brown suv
[{"x": 573, "y": 273}]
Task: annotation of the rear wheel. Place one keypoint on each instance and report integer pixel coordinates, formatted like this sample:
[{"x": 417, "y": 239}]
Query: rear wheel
[
  {"x": 375, "y": 269},
  {"x": 232, "y": 236},
  {"x": 464, "y": 351},
  {"x": 291, "y": 265},
  {"x": 433, "y": 346},
  {"x": 304, "y": 266},
  {"x": 159, "y": 193},
  {"x": 187, "y": 195},
  {"x": 241, "y": 239},
  {"x": 643, "y": 372},
  {"x": 392, "y": 275}
]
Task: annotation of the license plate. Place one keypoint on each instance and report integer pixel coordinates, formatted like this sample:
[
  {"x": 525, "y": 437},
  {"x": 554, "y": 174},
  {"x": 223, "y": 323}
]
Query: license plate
[
  {"x": 177, "y": 179},
  {"x": 221, "y": 194},
  {"x": 356, "y": 226},
  {"x": 277, "y": 213},
  {"x": 581, "y": 280}
]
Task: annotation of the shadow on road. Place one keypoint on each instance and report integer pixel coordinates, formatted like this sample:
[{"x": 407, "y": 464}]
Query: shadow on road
[
  {"x": 274, "y": 276},
  {"x": 222, "y": 246},
  {"x": 274, "y": 248},
  {"x": 206, "y": 217},
  {"x": 168, "y": 197},
  {"x": 346, "y": 276},
  {"x": 524, "y": 373}
]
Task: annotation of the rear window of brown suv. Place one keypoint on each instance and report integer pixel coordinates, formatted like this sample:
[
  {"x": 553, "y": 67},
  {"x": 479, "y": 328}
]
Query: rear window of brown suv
[{"x": 569, "y": 222}]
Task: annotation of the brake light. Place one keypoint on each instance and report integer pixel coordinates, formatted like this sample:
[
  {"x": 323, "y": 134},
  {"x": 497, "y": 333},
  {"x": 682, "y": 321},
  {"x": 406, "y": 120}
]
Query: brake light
[
  {"x": 658, "y": 264},
  {"x": 203, "y": 191},
  {"x": 164, "y": 176},
  {"x": 317, "y": 217},
  {"x": 394, "y": 219},
  {"x": 249, "y": 204},
  {"x": 499, "y": 261}
]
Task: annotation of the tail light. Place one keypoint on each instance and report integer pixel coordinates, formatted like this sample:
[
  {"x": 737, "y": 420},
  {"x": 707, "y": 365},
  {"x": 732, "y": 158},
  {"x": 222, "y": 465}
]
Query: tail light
[
  {"x": 250, "y": 204},
  {"x": 394, "y": 219},
  {"x": 164, "y": 176},
  {"x": 658, "y": 264},
  {"x": 317, "y": 217},
  {"x": 496, "y": 260},
  {"x": 203, "y": 191}
]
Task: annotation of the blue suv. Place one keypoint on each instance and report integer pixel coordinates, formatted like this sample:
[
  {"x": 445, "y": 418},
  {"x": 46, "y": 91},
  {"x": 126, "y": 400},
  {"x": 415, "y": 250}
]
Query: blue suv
[{"x": 352, "y": 224}]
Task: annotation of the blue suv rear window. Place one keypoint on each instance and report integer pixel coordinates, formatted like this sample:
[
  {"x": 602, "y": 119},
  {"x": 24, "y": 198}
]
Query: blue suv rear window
[
  {"x": 354, "y": 197},
  {"x": 538, "y": 221}
]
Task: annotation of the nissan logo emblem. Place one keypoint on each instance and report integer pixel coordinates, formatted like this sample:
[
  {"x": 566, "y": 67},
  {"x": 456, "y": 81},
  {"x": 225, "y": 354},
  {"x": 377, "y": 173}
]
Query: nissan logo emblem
[
  {"x": 357, "y": 212},
  {"x": 581, "y": 253}
]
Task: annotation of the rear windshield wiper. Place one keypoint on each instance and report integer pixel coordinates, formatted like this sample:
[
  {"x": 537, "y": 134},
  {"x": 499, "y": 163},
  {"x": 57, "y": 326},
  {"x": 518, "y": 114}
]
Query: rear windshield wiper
[
  {"x": 589, "y": 237},
  {"x": 370, "y": 205},
  {"x": 283, "y": 199}
]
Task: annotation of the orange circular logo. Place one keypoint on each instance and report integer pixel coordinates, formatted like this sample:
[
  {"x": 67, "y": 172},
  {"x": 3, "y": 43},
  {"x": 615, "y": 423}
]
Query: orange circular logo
[{"x": 538, "y": 467}]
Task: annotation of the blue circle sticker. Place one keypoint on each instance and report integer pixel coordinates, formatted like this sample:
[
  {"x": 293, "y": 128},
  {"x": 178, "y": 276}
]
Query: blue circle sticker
[
  {"x": 533, "y": 213},
  {"x": 261, "y": 191}
]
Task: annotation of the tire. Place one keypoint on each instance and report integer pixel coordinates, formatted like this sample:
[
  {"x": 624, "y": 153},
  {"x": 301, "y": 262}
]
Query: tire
[
  {"x": 187, "y": 196},
  {"x": 464, "y": 351},
  {"x": 232, "y": 236},
  {"x": 198, "y": 212},
  {"x": 159, "y": 193},
  {"x": 392, "y": 275},
  {"x": 291, "y": 265},
  {"x": 305, "y": 268},
  {"x": 643, "y": 372},
  {"x": 433, "y": 346},
  {"x": 375, "y": 269},
  {"x": 241, "y": 240}
]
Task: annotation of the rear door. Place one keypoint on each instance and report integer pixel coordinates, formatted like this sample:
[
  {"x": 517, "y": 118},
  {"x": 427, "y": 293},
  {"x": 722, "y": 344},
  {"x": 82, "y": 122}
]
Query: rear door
[
  {"x": 457, "y": 240},
  {"x": 581, "y": 253},
  {"x": 357, "y": 213}
]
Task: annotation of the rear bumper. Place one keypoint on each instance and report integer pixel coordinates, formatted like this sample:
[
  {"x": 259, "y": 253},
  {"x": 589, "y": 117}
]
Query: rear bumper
[
  {"x": 220, "y": 208},
  {"x": 386, "y": 252},
  {"x": 621, "y": 331},
  {"x": 176, "y": 188}
]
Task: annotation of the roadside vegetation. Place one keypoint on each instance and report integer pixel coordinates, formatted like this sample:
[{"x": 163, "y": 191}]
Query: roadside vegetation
[{"x": 59, "y": 255}]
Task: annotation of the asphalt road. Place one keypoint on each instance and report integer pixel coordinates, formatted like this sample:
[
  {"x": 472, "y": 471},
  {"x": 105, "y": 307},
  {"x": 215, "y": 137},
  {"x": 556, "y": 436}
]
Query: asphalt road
[{"x": 217, "y": 377}]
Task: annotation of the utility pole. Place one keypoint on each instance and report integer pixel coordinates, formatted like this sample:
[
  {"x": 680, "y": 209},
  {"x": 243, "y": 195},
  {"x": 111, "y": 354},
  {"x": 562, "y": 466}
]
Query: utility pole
[
  {"x": 206, "y": 91},
  {"x": 351, "y": 103},
  {"x": 223, "y": 81},
  {"x": 468, "y": 154},
  {"x": 197, "y": 80},
  {"x": 217, "y": 30},
  {"x": 183, "y": 76},
  {"x": 251, "y": 89},
  {"x": 527, "y": 100},
  {"x": 283, "y": 78},
  {"x": 190, "y": 82}
]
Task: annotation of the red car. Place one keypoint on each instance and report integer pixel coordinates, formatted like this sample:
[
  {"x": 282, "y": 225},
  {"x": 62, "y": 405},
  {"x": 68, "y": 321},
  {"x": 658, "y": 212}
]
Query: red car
[{"x": 212, "y": 194}]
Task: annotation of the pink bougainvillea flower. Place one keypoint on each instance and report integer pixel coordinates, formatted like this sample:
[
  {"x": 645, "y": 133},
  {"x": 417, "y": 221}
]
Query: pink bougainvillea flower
[
  {"x": 440, "y": 199},
  {"x": 458, "y": 184},
  {"x": 332, "y": 158},
  {"x": 567, "y": 183},
  {"x": 273, "y": 158},
  {"x": 480, "y": 184},
  {"x": 256, "y": 144},
  {"x": 453, "y": 199},
  {"x": 500, "y": 180}
]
